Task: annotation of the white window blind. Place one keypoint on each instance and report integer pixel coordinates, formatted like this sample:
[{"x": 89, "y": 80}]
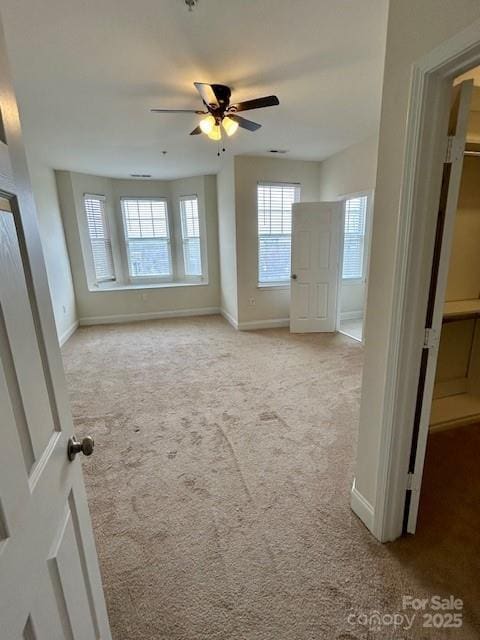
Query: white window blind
[
  {"x": 100, "y": 241},
  {"x": 192, "y": 255},
  {"x": 274, "y": 210},
  {"x": 148, "y": 237},
  {"x": 354, "y": 239}
]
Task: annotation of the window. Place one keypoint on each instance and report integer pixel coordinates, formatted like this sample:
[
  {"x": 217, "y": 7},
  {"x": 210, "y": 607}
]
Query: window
[
  {"x": 354, "y": 239},
  {"x": 147, "y": 236},
  {"x": 192, "y": 256},
  {"x": 274, "y": 210},
  {"x": 99, "y": 234}
]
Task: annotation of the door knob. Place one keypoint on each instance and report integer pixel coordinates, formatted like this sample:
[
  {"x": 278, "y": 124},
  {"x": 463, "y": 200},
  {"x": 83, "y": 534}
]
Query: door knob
[
  {"x": 293, "y": 276},
  {"x": 85, "y": 447}
]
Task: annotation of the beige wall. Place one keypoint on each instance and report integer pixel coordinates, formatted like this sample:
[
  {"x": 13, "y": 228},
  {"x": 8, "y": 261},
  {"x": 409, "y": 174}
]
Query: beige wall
[
  {"x": 121, "y": 304},
  {"x": 54, "y": 247},
  {"x": 464, "y": 270},
  {"x": 463, "y": 275},
  {"x": 227, "y": 237},
  {"x": 270, "y": 303},
  {"x": 454, "y": 351},
  {"x": 349, "y": 171},
  {"x": 414, "y": 29},
  {"x": 232, "y": 245},
  {"x": 351, "y": 299}
]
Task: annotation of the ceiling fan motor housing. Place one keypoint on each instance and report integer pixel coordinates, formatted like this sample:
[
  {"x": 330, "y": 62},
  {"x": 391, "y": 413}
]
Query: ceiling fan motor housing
[{"x": 223, "y": 94}]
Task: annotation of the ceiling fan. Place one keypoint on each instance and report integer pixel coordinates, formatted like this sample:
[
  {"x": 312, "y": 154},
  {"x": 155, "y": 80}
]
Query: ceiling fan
[{"x": 220, "y": 113}]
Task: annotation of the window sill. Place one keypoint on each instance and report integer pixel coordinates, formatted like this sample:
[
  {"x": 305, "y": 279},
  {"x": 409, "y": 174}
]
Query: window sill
[
  {"x": 108, "y": 286},
  {"x": 273, "y": 286},
  {"x": 353, "y": 281}
]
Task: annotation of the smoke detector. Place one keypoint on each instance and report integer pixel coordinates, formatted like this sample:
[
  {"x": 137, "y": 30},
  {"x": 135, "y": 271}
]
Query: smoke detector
[{"x": 191, "y": 4}]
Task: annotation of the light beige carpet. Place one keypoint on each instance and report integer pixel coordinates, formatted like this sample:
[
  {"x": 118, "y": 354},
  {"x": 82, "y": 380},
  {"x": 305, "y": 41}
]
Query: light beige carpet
[{"x": 219, "y": 489}]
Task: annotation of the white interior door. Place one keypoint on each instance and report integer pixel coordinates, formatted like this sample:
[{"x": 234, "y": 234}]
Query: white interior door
[
  {"x": 50, "y": 586},
  {"x": 447, "y": 209},
  {"x": 315, "y": 266}
]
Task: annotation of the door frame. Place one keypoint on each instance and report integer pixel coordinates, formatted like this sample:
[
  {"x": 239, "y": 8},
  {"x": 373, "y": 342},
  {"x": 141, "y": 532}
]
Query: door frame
[
  {"x": 425, "y": 149},
  {"x": 370, "y": 194}
]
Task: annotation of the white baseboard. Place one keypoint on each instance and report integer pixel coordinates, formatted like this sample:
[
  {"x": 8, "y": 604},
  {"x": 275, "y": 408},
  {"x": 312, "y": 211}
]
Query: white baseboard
[
  {"x": 264, "y": 324},
  {"x": 155, "y": 315},
  {"x": 362, "y": 507},
  {"x": 68, "y": 333},
  {"x": 351, "y": 315},
  {"x": 229, "y": 318}
]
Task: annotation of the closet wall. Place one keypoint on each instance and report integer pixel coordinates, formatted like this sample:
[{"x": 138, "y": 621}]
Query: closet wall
[{"x": 457, "y": 383}]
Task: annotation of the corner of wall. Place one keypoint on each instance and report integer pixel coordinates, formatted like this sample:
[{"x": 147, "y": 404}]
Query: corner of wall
[
  {"x": 52, "y": 234},
  {"x": 351, "y": 170},
  {"x": 227, "y": 239}
]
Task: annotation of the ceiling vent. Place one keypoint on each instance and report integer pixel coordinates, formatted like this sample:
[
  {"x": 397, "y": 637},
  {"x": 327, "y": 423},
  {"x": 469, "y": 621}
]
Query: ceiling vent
[
  {"x": 278, "y": 150},
  {"x": 140, "y": 175}
]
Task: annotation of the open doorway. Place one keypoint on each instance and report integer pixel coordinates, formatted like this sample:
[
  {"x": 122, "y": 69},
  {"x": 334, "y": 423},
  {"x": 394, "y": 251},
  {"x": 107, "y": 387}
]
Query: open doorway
[
  {"x": 452, "y": 383},
  {"x": 354, "y": 264}
]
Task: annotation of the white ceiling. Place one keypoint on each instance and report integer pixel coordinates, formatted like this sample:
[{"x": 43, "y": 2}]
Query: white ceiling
[{"x": 88, "y": 71}]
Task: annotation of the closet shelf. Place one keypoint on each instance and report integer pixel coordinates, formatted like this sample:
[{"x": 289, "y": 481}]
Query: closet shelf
[
  {"x": 454, "y": 411},
  {"x": 458, "y": 308}
]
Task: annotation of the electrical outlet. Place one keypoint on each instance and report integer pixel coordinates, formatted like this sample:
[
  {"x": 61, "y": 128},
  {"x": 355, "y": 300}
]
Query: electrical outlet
[
  {"x": 251, "y": 302},
  {"x": 144, "y": 297}
]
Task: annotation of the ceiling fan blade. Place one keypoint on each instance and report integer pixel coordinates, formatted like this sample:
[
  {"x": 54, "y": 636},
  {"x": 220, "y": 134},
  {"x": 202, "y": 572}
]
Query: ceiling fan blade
[
  {"x": 258, "y": 103},
  {"x": 177, "y": 111},
  {"x": 244, "y": 123},
  {"x": 207, "y": 94},
  {"x": 196, "y": 131}
]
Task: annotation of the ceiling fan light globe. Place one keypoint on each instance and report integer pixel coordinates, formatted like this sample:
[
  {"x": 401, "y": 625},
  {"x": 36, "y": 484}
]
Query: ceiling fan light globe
[
  {"x": 207, "y": 124},
  {"x": 229, "y": 125},
  {"x": 215, "y": 133}
]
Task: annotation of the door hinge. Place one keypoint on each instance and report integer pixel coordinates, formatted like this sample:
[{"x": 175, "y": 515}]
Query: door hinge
[
  {"x": 448, "y": 150},
  {"x": 410, "y": 479},
  {"x": 429, "y": 338}
]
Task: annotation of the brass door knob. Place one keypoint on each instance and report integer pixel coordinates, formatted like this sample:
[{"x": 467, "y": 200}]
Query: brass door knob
[{"x": 85, "y": 447}]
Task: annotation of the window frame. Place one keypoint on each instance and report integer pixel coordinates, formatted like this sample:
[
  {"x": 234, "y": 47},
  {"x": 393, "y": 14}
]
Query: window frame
[
  {"x": 366, "y": 235},
  {"x": 152, "y": 279},
  {"x": 96, "y": 281},
  {"x": 201, "y": 238},
  {"x": 274, "y": 284}
]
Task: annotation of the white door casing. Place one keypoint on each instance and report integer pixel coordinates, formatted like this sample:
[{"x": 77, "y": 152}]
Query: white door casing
[
  {"x": 315, "y": 266},
  {"x": 50, "y": 585},
  {"x": 445, "y": 228}
]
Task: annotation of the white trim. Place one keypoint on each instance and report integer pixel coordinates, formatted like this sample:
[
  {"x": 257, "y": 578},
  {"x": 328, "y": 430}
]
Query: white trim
[
  {"x": 351, "y": 315},
  {"x": 155, "y": 315},
  {"x": 362, "y": 507},
  {"x": 106, "y": 286},
  {"x": 93, "y": 196},
  {"x": 273, "y": 286},
  {"x": 264, "y": 324},
  {"x": 68, "y": 333},
  {"x": 423, "y": 159},
  {"x": 229, "y": 318}
]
